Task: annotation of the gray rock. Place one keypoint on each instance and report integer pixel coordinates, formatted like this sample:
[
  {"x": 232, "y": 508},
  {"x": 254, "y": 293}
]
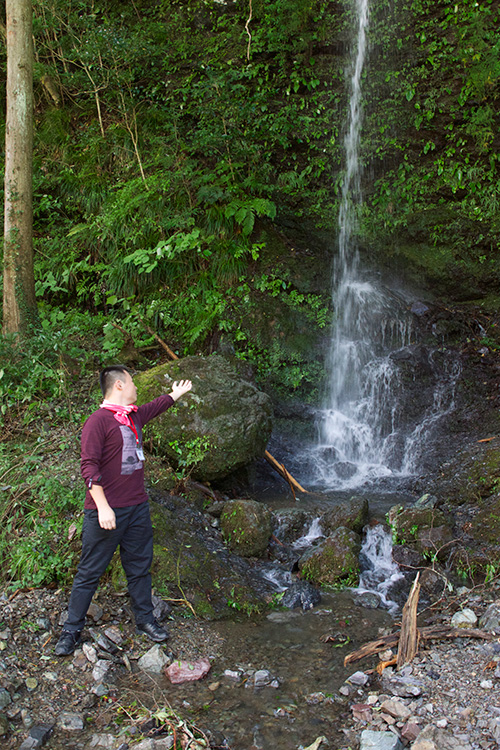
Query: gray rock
[
  {"x": 404, "y": 687},
  {"x": 371, "y": 740},
  {"x": 426, "y": 501},
  {"x": 161, "y": 608},
  {"x": 358, "y": 678},
  {"x": 301, "y": 594},
  {"x": 70, "y": 722},
  {"x": 5, "y": 698},
  {"x": 4, "y": 725},
  {"x": 261, "y": 678},
  {"x": 433, "y": 738},
  {"x": 41, "y": 733},
  {"x": 491, "y": 618},
  {"x": 367, "y": 599},
  {"x": 100, "y": 669},
  {"x": 396, "y": 709},
  {"x": 106, "y": 741},
  {"x": 465, "y": 618},
  {"x": 154, "y": 660}
]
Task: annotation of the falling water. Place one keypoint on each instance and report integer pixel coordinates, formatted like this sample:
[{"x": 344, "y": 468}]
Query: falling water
[
  {"x": 361, "y": 427},
  {"x": 380, "y": 571}
]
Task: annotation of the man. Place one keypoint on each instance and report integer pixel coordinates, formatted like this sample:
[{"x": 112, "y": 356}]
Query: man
[{"x": 116, "y": 505}]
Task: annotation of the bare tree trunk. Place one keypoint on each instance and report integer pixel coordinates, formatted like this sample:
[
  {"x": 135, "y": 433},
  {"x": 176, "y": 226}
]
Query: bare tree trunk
[{"x": 19, "y": 303}]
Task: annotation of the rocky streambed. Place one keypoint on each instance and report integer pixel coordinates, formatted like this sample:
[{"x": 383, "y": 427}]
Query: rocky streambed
[{"x": 277, "y": 681}]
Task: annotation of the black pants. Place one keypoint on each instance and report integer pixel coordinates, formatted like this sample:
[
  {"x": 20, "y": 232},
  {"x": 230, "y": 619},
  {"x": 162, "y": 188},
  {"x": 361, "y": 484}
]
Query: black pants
[{"x": 134, "y": 535}]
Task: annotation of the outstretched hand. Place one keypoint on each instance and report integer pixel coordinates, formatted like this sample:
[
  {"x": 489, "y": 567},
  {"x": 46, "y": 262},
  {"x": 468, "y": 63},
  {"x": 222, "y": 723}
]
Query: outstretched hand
[{"x": 180, "y": 388}]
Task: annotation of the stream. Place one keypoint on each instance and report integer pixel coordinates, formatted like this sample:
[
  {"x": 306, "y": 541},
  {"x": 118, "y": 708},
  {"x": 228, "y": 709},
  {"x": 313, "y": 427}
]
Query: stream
[{"x": 288, "y": 645}]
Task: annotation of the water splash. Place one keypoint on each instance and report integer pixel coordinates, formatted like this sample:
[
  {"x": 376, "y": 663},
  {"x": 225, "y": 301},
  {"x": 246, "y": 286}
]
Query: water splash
[
  {"x": 380, "y": 571},
  {"x": 314, "y": 532}
]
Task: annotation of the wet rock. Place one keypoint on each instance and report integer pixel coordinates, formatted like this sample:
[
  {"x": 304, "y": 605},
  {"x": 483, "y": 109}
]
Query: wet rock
[
  {"x": 352, "y": 515},
  {"x": 335, "y": 560},
  {"x": 185, "y": 671},
  {"x": 465, "y": 618},
  {"x": 235, "y": 415},
  {"x": 155, "y": 660},
  {"x": 432, "y": 583},
  {"x": 426, "y": 529},
  {"x": 371, "y": 740},
  {"x": 301, "y": 594},
  {"x": 246, "y": 525},
  {"x": 291, "y": 523},
  {"x": 367, "y": 599}
]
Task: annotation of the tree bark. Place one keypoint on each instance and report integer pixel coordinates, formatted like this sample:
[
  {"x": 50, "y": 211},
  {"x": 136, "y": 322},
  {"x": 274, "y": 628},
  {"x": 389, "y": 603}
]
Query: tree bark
[{"x": 19, "y": 303}]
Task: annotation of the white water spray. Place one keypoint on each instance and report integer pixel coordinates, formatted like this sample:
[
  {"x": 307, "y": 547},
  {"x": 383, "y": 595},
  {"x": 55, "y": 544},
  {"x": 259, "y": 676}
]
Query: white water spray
[{"x": 381, "y": 572}]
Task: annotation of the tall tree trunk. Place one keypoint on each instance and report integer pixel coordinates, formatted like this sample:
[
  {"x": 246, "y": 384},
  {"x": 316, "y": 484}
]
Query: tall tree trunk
[{"x": 19, "y": 303}]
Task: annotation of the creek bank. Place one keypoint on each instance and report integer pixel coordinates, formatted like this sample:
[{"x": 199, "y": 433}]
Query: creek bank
[{"x": 446, "y": 696}]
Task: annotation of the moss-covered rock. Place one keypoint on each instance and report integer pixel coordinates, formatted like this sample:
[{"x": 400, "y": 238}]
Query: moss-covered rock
[
  {"x": 352, "y": 514},
  {"x": 247, "y": 528},
  {"x": 191, "y": 563},
  {"x": 222, "y": 424},
  {"x": 335, "y": 561}
]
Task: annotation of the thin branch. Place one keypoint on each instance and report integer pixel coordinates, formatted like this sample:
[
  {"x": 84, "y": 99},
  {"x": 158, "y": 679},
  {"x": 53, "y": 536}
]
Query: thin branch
[{"x": 247, "y": 29}]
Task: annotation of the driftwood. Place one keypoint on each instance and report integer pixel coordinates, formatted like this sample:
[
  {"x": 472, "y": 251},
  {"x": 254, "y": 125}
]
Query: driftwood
[
  {"x": 435, "y": 632},
  {"x": 409, "y": 637},
  {"x": 294, "y": 485}
]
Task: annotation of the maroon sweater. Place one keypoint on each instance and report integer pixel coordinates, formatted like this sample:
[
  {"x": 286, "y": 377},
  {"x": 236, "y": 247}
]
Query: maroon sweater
[{"x": 109, "y": 456}]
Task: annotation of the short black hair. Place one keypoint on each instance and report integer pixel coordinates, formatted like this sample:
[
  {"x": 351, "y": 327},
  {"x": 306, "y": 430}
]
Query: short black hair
[{"x": 109, "y": 376}]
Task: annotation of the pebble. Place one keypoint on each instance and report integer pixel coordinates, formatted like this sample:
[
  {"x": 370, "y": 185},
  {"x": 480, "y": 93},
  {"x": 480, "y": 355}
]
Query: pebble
[
  {"x": 155, "y": 660},
  {"x": 358, "y": 678}
]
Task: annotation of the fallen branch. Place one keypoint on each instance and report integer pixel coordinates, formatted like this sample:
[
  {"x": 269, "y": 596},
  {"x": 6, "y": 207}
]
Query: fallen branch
[
  {"x": 284, "y": 473},
  {"x": 148, "y": 328},
  {"x": 409, "y": 635},
  {"x": 435, "y": 632}
]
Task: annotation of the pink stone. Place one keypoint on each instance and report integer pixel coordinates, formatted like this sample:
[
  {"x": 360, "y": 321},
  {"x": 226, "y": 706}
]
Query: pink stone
[
  {"x": 187, "y": 671},
  {"x": 410, "y": 731}
]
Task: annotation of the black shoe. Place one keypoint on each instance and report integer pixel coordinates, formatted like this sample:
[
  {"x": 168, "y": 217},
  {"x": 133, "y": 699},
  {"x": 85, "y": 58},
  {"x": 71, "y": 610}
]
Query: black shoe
[
  {"x": 67, "y": 642},
  {"x": 153, "y": 631}
]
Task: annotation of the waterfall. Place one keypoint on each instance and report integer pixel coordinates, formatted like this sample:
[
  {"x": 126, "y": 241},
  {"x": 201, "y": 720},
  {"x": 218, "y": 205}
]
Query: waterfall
[{"x": 363, "y": 427}]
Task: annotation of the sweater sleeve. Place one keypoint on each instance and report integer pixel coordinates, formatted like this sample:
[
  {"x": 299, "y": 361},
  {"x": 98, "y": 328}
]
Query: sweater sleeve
[
  {"x": 91, "y": 456},
  {"x": 154, "y": 408}
]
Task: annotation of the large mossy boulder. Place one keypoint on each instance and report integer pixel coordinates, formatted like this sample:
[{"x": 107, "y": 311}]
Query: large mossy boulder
[
  {"x": 352, "y": 514},
  {"x": 246, "y": 526},
  {"x": 223, "y": 424},
  {"x": 335, "y": 561}
]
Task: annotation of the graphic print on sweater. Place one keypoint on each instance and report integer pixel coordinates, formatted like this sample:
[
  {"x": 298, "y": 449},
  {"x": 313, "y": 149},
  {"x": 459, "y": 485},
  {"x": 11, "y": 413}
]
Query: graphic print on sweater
[{"x": 130, "y": 462}]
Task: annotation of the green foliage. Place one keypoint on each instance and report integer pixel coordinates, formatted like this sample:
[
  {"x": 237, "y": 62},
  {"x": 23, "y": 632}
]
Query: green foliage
[
  {"x": 43, "y": 366},
  {"x": 36, "y": 511}
]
